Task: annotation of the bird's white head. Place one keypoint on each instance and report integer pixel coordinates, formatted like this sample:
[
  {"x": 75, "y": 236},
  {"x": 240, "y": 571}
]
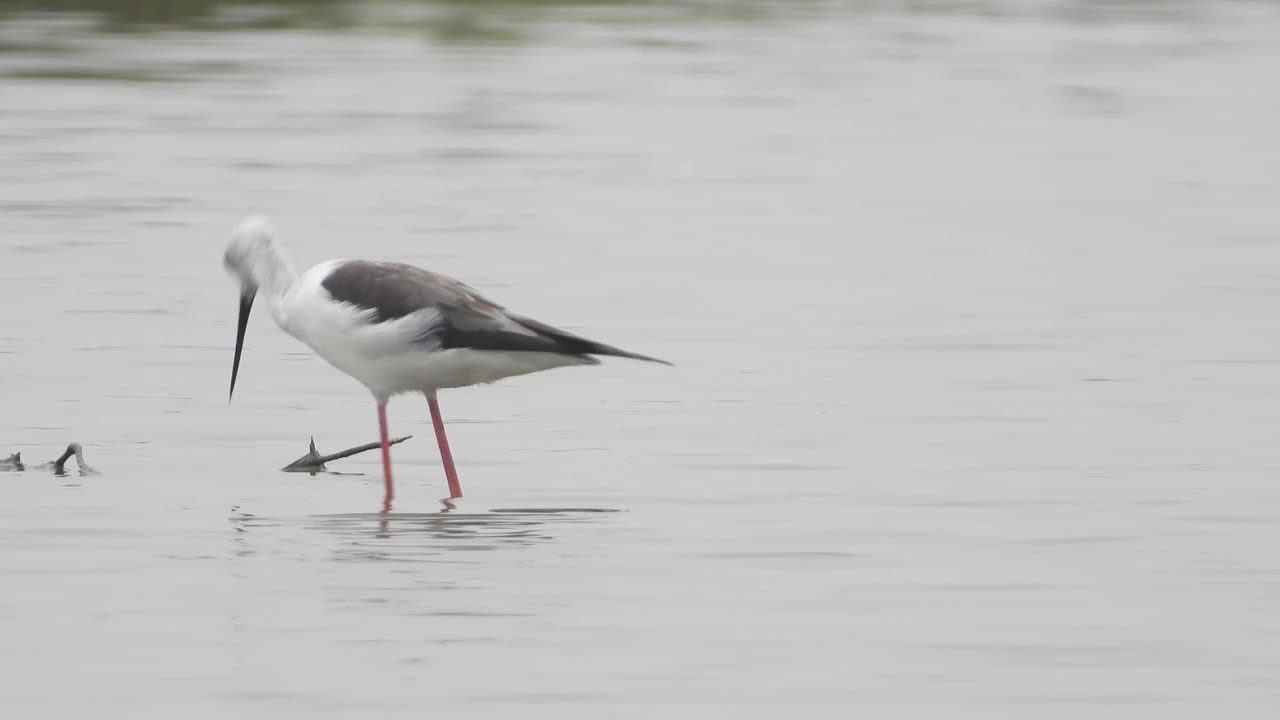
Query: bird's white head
[
  {"x": 251, "y": 242},
  {"x": 254, "y": 258}
]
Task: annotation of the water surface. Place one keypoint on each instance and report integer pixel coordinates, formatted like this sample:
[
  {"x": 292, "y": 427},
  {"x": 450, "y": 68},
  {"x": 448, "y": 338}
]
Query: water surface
[{"x": 973, "y": 311}]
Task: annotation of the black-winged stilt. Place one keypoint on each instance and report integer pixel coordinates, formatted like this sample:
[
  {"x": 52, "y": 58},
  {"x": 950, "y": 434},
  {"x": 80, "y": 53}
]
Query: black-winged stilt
[{"x": 397, "y": 328}]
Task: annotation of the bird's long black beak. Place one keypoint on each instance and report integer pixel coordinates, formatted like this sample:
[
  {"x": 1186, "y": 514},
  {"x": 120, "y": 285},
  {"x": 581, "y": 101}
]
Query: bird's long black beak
[{"x": 246, "y": 304}]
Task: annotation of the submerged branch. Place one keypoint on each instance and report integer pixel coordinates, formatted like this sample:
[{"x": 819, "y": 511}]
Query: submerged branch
[{"x": 313, "y": 461}]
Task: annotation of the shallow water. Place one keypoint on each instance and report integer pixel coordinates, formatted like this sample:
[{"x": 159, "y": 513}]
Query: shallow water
[{"x": 973, "y": 313}]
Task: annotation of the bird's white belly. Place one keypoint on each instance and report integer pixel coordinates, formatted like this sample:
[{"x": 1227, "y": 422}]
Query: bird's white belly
[
  {"x": 390, "y": 371},
  {"x": 390, "y": 357},
  {"x": 425, "y": 371}
]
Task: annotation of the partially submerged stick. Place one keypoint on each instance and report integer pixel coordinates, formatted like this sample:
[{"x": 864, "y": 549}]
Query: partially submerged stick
[
  {"x": 59, "y": 466},
  {"x": 313, "y": 462}
]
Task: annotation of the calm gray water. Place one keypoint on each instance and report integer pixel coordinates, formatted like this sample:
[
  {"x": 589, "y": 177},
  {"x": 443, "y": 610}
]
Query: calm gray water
[{"x": 974, "y": 313}]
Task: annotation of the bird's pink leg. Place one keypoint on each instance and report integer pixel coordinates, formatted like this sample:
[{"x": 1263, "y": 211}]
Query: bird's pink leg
[
  {"x": 455, "y": 489},
  {"x": 386, "y": 457}
]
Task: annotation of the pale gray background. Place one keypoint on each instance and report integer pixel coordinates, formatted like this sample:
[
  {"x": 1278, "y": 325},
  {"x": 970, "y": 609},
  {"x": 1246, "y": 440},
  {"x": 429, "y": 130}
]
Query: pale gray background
[{"x": 973, "y": 310}]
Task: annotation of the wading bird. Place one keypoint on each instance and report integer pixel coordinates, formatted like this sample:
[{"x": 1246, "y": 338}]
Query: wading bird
[{"x": 397, "y": 329}]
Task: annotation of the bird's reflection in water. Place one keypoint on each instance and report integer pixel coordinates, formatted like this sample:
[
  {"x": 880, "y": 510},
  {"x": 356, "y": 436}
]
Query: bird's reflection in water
[{"x": 430, "y": 537}]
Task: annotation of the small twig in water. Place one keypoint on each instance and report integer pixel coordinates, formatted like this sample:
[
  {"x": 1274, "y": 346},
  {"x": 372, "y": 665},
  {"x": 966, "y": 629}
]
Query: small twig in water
[
  {"x": 313, "y": 462},
  {"x": 13, "y": 463}
]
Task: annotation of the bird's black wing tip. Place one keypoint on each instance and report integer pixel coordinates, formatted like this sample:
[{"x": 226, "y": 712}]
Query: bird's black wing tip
[
  {"x": 659, "y": 361},
  {"x": 608, "y": 351}
]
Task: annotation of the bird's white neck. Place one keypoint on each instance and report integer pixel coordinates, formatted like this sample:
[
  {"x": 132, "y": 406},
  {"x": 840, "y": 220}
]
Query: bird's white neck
[
  {"x": 273, "y": 274},
  {"x": 271, "y": 270}
]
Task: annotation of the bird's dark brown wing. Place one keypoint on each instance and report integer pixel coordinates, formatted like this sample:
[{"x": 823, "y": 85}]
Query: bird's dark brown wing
[{"x": 465, "y": 318}]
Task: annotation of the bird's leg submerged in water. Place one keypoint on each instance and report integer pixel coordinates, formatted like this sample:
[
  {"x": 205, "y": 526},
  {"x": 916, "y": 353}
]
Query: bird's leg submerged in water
[
  {"x": 455, "y": 488},
  {"x": 386, "y": 456}
]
